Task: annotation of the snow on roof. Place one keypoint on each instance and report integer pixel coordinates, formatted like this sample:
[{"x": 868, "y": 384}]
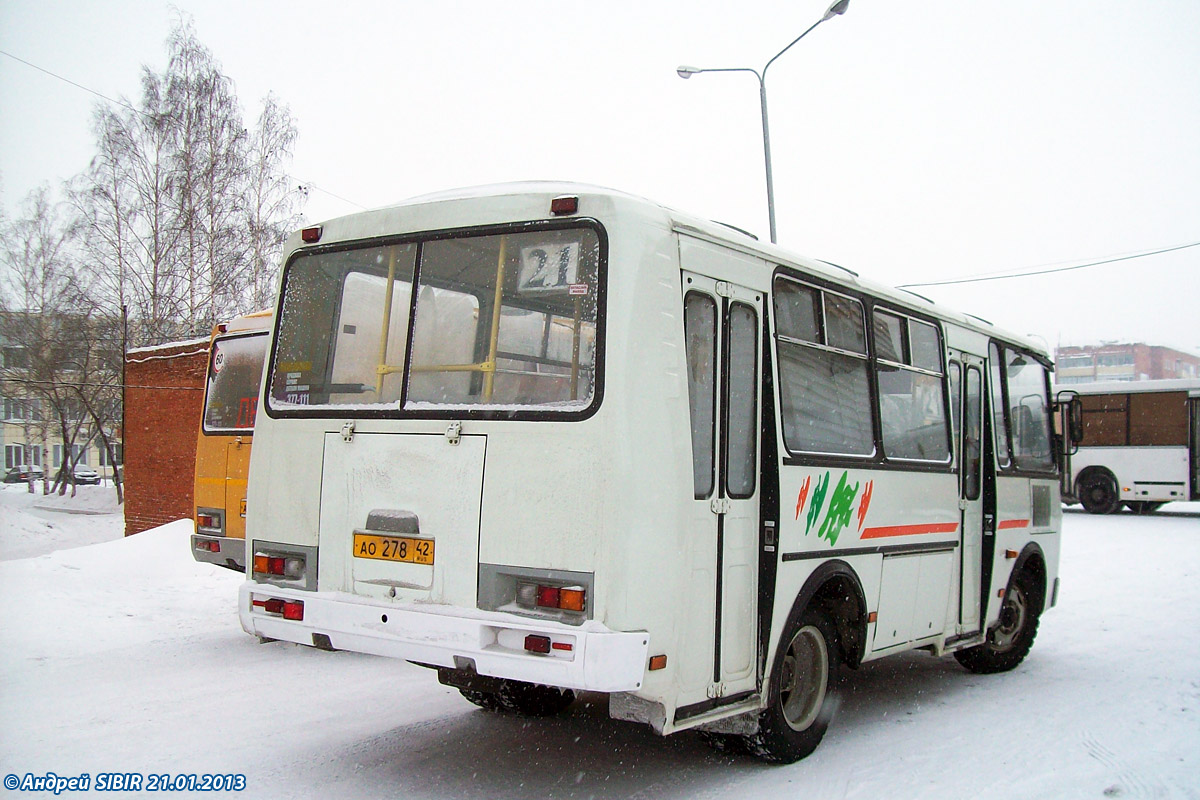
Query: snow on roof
[{"x": 160, "y": 349}]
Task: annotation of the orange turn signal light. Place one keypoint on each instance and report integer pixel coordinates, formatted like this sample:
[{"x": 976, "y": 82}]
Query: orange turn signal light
[
  {"x": 570, "y": 599},
  {"x": 658, "y": 662}
]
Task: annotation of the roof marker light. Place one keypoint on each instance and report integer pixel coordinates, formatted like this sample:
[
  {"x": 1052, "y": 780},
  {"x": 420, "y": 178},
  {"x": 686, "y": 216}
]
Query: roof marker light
[
  {"x": 561, "y": 206},
  {"x": 311, "y": 235}
]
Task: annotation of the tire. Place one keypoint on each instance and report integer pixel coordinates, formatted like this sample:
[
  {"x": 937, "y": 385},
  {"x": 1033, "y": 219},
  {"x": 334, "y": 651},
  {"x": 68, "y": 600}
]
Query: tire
[
  {"x": 1009, "y": 642},
  {"x": 1141, "y": 507},
  {"x": 525, "y": 699},
  {"x": 803, "y": 693},
  {"x": 1098, "y": 492}
]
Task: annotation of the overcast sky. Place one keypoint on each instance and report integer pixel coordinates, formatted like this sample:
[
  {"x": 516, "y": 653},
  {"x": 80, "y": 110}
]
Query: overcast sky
[{"x": 912, "y": 141}]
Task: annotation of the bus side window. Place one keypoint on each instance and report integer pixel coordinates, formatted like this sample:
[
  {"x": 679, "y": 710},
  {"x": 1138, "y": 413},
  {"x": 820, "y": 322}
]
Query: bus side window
[
  {"x": 956, "y": 408},
  {"x": 700, "y": 334},
  {"x": 741, "y": 404},
  {"x": 999, "y": 407},
  {"x": 824, "y": 385},
  {"x": 972, "y": 440}
]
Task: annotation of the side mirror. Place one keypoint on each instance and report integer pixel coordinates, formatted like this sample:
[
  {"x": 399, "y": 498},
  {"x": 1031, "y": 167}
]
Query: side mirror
[
  {"x": 1075, "y": 416},
  {"x": 1069, "y": 410}
]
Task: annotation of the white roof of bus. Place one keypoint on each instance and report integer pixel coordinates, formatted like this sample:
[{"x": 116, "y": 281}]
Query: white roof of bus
[
  {"x": 1189, "y": 385},
  {"x": 522, "y": 200}
]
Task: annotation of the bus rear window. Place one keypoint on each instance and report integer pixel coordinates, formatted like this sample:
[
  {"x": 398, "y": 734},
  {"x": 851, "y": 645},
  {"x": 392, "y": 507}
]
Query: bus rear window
[
  {"x": 503, "y": 322},
  {"x": 231, "y": 397}
]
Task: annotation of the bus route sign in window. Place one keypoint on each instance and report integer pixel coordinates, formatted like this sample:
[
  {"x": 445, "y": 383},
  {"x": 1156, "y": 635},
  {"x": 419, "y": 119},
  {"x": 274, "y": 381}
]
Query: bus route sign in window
[{"x": 231, "y": 398}]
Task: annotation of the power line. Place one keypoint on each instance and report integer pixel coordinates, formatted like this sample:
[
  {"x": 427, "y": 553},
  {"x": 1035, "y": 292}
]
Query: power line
[
  {"x": 1051, "y": 270},
  {"x": 123, "y": 104},
  {"x": 31, "y": 382}
]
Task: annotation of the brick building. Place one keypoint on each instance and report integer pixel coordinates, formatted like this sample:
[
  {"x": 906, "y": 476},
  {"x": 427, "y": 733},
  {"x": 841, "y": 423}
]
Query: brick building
[
  {"x": 1122, "y": 362},
  {"x": 164, "y": 398}
]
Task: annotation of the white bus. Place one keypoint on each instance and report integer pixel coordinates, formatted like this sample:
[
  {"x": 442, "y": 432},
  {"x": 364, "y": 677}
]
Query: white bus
[
  {"x": 548, "y": 438},
  {"x": 1140, "y": 446}
]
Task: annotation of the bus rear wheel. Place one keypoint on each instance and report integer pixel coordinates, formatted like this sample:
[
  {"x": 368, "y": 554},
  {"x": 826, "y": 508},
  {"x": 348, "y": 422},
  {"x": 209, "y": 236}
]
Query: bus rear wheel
[
  {"x": 802, "y": 695},
  {"x": 1098, "y": 492},
  {"x": 519, "y": 697},
  {"x": 1009, "y": 642}
]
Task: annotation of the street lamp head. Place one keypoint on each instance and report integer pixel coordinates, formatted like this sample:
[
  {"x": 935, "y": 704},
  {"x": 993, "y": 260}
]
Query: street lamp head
[
  {"x": 836, "y": 9},
  {"x": 687, "y": 72}
]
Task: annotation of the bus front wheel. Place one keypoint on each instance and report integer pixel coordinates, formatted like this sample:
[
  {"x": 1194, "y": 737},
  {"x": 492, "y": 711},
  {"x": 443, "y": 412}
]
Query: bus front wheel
[
  {"x": 1098, "y": 492},
  {"x": 1009, "y": 642},
  {"x": 802, "y": 695}
]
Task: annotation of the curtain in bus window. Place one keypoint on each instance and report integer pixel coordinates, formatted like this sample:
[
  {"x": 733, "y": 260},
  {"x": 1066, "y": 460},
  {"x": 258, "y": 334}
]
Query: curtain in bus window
[
  {"x": 826, "y": 401},
  {"x": 844, "y": 319},
  {"x": 926, "y": 346},
  {"x": 1029, "y": 411},
  {"x": 912, "y": 413},
  {"x": 998, "y": 410},
  {"x": 797, "y": 311},
  {"x": 741, "y": 404},
  {"x": 889, "y": 337},
  {"x": 700, "y": 332}
]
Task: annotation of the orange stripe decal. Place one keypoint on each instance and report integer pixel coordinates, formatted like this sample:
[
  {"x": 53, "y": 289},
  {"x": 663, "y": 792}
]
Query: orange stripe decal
[
  {"x": 1012, "y": 523},
  {"x": 909, "y": 530}
]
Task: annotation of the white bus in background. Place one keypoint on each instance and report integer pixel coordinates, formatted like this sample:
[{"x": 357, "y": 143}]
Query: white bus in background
[
  {"x": 546, "y": 438},
  {"x": 1140, "y": 446}
]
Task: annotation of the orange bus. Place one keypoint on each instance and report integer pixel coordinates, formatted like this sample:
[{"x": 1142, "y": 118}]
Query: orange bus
[{"x": 235, "y": 365}]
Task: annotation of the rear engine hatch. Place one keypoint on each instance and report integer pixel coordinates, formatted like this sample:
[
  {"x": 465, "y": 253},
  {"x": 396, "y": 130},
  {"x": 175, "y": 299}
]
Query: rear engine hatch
[{"x": 400, "y": 516}]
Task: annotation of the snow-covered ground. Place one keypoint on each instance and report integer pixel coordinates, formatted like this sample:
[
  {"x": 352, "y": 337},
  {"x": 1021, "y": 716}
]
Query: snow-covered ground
[{"x": 126, "y": 656}]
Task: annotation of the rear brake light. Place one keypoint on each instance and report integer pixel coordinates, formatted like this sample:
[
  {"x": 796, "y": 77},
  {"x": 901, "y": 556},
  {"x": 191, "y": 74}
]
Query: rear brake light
[
  {"x": 290, "y": 567},
  {"x": 547, "y": 596},
  {"x": 569, "y": 598},
  {"x": 293, "y": 609}
]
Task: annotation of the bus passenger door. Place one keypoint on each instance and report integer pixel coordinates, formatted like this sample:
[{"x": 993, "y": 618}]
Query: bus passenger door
[
  {"x": 722, "y": 324},
  {"x": 968, "y": 431}
]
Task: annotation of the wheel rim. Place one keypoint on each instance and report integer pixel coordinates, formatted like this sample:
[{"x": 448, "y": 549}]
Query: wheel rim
[
  {"x": 1013, "y": 615},
  {"x": 1100, "y": 493},
  {"x": 804, "y": 678}
]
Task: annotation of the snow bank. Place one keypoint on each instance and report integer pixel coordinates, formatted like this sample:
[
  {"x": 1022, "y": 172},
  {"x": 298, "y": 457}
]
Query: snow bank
[
  {"x": 127, "y": 656},
  {"x": 36, "y": 524}
]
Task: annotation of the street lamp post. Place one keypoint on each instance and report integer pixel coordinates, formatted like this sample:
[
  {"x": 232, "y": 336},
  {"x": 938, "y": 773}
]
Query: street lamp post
[{"x": 838, "y": 8}]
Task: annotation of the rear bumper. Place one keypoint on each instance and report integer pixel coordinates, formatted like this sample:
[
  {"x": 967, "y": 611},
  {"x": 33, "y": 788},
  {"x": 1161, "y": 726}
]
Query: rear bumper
[
  {"x": 598, "y": 659},
  {"x": 232, "y": 553}
]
